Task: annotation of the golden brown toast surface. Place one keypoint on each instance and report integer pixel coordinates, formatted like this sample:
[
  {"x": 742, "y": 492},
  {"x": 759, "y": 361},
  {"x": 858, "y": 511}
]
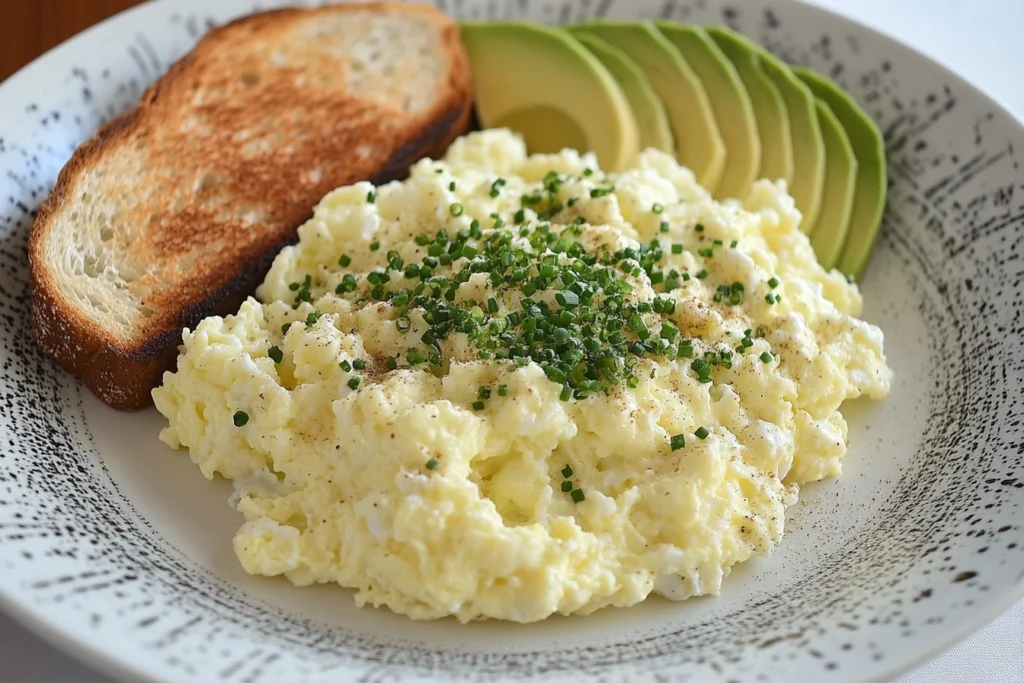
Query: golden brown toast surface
[{"x": 175, "y": 210}]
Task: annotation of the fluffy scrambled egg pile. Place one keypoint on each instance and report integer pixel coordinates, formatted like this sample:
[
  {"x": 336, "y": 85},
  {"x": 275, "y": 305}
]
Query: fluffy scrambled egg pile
[{"x": 515, "y": 385}]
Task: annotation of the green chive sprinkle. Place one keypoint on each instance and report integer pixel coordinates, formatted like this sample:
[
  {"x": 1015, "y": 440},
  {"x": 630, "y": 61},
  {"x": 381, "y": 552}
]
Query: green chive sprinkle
[
  {"x": 456, "y": 209},
  {"x": 371, "y": 197},
  {"x": 479, "y": 405},
  {"x": 677, "y": 249},
  {"x": 344, "y": 261},
  {"x": 699, "y": 227},
  {"x": 701, "y": 433},
  {"x": 677, "y": 441},
  {"x": 766, "y": 357},
  {"x": 275, "y": 354},
  {"x": 566, "y": 486},
  {"x": 577, "y": 496},
  {"x": 432, "y": 464},
  {"x": 353, "y": 383},
  {"x": 359, "y": 364},
  {"x": 773, "y": 283},
  {"x": 664, "y": 227},
  {"x": 657, "y": 208},
  {"x": 566, "y": 472},
  {"x": 374, "y": 246},
  {"x": 240, "y": 419}
]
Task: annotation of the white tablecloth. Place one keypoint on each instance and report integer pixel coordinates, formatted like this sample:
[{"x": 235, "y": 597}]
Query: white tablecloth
[{"x": 977, "y": 38}]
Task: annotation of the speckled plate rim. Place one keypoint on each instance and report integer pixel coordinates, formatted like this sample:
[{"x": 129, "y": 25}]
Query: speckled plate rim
[{"x": 78, "y": 646}]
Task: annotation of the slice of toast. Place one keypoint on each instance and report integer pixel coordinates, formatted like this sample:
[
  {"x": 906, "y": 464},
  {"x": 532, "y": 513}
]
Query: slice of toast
[{"x": 175, "y": 210}]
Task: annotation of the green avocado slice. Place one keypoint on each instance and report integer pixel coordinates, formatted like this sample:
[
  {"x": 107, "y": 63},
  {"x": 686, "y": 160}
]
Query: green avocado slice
[
  {"x": 729, "y": 100},
  {"x": 540, "y": 82},
  {"x": 698, "y": 142},
  {"x": 830, "y": 229},
  {"x": 869, "y": 148},
  {"x": 651, "y": 119},
  {"x": 808, "y": 147},
  {"x": 769, "y": 107}
]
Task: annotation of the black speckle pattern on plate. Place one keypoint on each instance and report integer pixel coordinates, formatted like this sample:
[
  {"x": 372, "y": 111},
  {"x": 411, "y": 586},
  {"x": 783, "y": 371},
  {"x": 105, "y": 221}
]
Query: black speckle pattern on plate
[{"x": 935, "y": 542}]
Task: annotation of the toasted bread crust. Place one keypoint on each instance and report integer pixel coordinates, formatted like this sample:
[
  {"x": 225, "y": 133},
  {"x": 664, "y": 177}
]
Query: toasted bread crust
[{"x": 123, "y": 372}]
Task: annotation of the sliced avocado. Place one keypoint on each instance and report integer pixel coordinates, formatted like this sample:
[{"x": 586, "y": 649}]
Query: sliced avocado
[
  {"x": 698, "y": 142},
  {"x": 729, "y": 101},
  {"x": 769, "y": 107},
  {"x": 651, "y": 118},
  {"x": 808, "y": 147},
  {"x": 540, "y": 82},
  {"x": 829, "y": 231},
  {"x": 869, "y": 148}
]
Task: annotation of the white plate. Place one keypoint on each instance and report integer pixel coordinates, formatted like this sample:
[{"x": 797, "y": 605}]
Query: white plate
[{"x": 114, "y": 546}]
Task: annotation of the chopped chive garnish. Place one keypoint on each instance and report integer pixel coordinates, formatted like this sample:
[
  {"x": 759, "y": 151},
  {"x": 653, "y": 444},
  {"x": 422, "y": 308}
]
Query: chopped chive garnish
[
  {"x": 432, "y": 464},
  {"x": 275, "y": 354},
  {"x": 773, "y": 283},
  {"x": 391, "y": 364},
  {"x": 456, "y": 209},
  {"x": 371, "y": 197},
  {"x": 374, "y": 246},
  {"x": 677, "y": 249},
  {"x": 766, "y": 357},
  {"x": 353, "y": 383},
  {"x": 699, "y": 227},
  {"x": 734, "y": 244},
  {"x": 566, "y": 486},
  {"x": 240, "y": 418},
  {"x": 677, "y": 441},
  {"x": 600, "y": 192},
  {"x": 566, "y": 472},
  {"x": 502, "y": 390},
  {"x": 479, "y": 405},
  {"x": 359, "y": 364},
  {"x": 344, "y": 261},
  {"x": 577, "y": 496},
  {"x": 451, "y": 186},
  {"x": 701, "y": 433},
  {"x": 657, "y": 208}
]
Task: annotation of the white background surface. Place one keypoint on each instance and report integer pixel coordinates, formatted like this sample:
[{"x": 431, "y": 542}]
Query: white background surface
[{"x": 979, "y": 39}]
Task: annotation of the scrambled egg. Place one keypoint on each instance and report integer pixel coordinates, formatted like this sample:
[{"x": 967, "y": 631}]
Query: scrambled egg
[{"x": 482, "y": 487}]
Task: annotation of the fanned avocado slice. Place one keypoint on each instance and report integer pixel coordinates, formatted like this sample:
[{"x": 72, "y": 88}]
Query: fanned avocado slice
[
  {"x": 729, "y": 100},
  {"x": 808, "y": 147},
  {"x": 651, "y": 118},
  {"x": 698, "y": 142},
  {"x": 829, "y": 232},
  {"x": 769, "y": 107},
  {"x": 540, "y": 82},
  {"x": 869, "y": 148}
]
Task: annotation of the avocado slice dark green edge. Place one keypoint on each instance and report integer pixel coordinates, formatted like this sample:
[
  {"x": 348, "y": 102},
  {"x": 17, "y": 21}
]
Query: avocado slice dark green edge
[
  {"x": 869, "y": 148},
  {"x": 729, "y": 101},
  {"x": 651, "y": 118},
  {"x": 769, "y": 108},
  {"x": 838, "y": 191}
]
